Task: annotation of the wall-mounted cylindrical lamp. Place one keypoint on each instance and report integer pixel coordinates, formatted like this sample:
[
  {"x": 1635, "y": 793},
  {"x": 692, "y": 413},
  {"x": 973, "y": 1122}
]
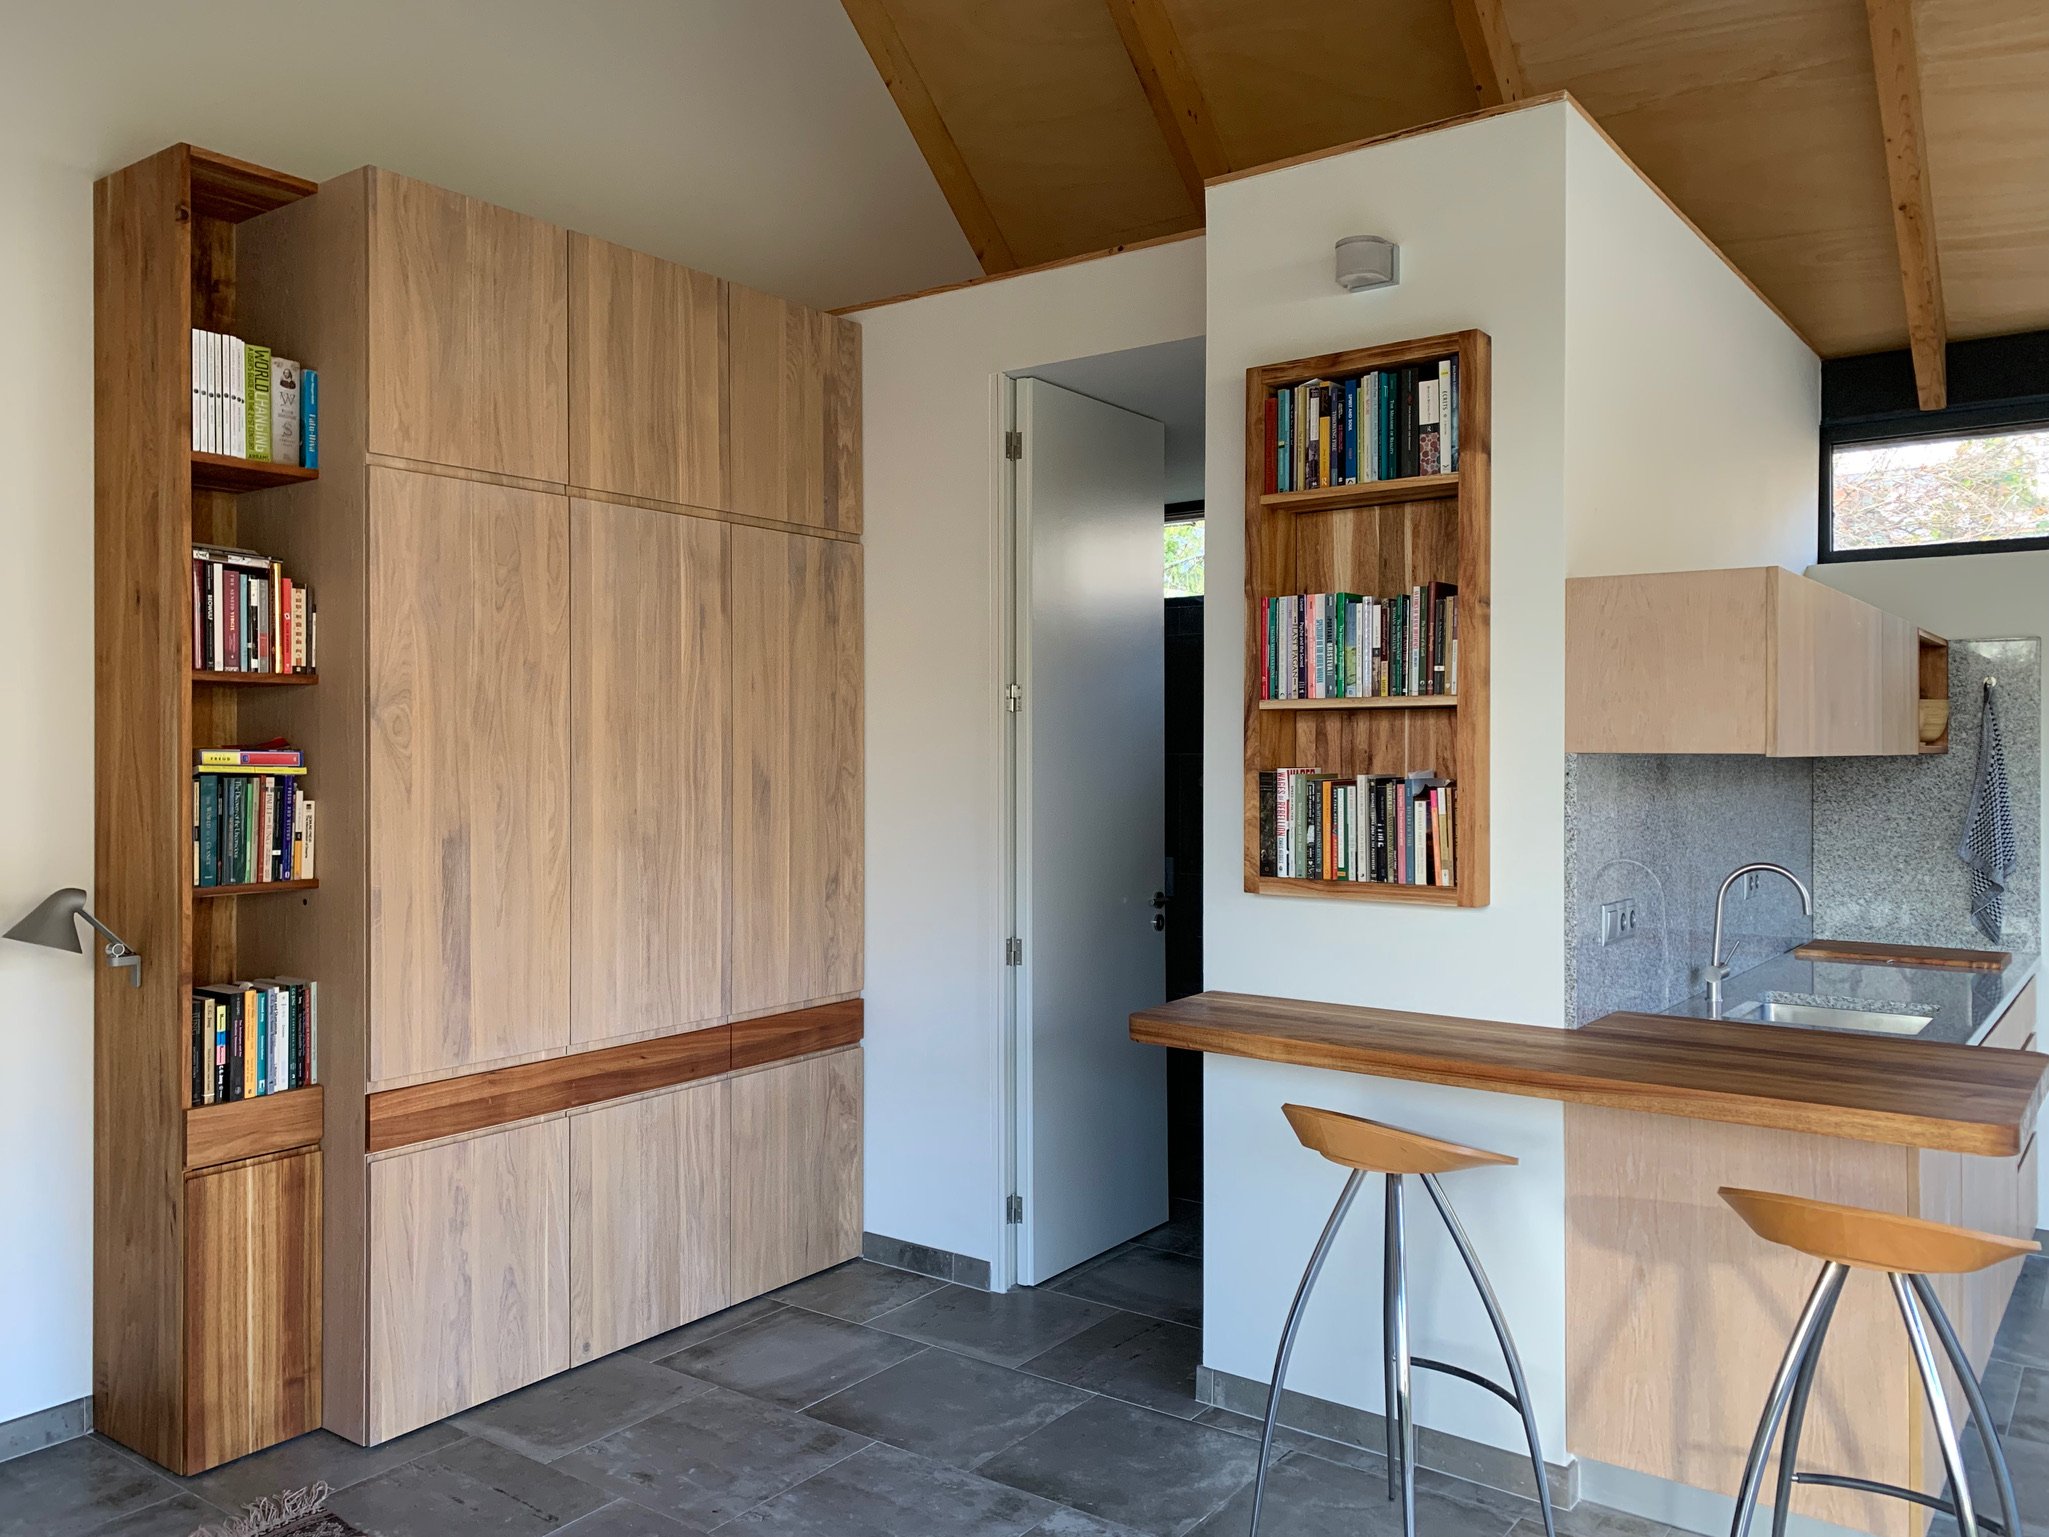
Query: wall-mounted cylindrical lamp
[
  {"x": 55, "y": 923},
  {"x": 1368, "y": 261}
]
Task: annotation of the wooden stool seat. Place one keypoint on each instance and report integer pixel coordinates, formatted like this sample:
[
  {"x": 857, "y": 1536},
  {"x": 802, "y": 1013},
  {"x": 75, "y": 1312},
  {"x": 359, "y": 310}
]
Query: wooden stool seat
[
  {"x": 1871, "y": 1240},
  {"x": 1358, "y": 1143}
]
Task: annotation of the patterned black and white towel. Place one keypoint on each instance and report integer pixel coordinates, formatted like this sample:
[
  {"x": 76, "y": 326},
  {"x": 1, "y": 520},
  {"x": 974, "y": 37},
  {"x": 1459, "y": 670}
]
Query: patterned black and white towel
[{"x": 1987, "y": 847}]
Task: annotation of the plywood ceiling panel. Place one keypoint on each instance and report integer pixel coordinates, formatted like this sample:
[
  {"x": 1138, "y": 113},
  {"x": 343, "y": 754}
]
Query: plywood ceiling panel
[
  {"x": 1050, "y": 117},
  {"x": 1284, "y": 77},
  {"x": 1985, "y": 97},
  {"x": 1760, "y": 119}
]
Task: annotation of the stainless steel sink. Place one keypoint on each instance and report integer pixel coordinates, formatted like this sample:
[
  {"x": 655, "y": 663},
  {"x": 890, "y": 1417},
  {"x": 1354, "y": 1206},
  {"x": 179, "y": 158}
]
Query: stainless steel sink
[{"x": 1813, "y": 1016}]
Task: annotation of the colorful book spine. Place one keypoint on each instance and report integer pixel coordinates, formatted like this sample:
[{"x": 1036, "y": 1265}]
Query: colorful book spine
[
  {"x": 309, "y": 418},
  {"x": 255, "y": 402}
]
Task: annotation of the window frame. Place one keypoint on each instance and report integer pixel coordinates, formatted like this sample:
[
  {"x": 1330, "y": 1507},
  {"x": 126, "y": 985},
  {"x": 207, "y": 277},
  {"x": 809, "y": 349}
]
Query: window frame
[
  {"x": 1192, "y": 511},
  {"x": 1958, "y": 422}
]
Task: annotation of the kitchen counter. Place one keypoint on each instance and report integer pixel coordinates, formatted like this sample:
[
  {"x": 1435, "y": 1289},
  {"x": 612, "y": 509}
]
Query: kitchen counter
[
  {"x": 1909, "y": 1092},
  {"x": 1965, "y": 1004}
]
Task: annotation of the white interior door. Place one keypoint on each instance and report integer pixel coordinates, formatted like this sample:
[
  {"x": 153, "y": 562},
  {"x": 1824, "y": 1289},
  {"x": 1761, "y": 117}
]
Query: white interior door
[{"x": 1092, "y": 1112}]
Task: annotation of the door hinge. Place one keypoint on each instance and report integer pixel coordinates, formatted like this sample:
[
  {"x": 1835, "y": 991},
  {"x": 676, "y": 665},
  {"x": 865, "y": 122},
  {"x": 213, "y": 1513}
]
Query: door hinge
[
  {"x": 1013, "y": 1210},
  {"x": 1013, "y": 445},
  {"x": 1013, "y": 697},
  {"x": 1013, "y": 951}
]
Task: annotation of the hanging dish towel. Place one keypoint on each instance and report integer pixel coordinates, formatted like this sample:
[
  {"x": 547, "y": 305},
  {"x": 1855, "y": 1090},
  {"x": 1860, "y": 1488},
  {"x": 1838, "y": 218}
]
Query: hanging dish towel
[{"x": 1988, "y": 847}]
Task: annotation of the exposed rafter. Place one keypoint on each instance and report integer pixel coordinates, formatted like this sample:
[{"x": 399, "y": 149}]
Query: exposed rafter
[
  {"x": 1898, "y": 67},
  {"x": 934, "y": 139},
  {"x": 1171, "y": 89},
  {"x": 1490, "y": 51}
]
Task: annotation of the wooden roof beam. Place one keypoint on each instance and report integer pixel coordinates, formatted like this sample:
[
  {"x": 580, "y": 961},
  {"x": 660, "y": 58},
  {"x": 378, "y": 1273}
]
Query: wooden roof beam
[
  {"x": 1490, "y": 51},
  {"x": 1172, "y": 92},
  {"x": 1897, "y": 64},
  {"x": 935, "y": 141}
]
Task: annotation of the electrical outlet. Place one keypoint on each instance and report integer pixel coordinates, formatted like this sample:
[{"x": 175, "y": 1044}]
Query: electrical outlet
[
  {"x": 1752, "y": 883},
  {"x": 1618, "y": 920}
]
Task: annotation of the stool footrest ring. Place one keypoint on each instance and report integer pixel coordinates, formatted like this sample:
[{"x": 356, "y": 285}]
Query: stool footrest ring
[
  {"x": 1914, "y": 1496},
  {"x": 1475, "y": 1378}
]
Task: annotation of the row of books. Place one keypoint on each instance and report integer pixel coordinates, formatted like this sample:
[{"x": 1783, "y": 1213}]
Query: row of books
[
  {"x": 254, "y": 1038},
  {"x": 249, "y": 403},
  {"x": 252, "y": 821},
  {"x": 1390, "y": 424},
  {"x": 1394, "y": 829},
  {"x": 1341, "y": 645},
  {"x": 248, "y": 616}
]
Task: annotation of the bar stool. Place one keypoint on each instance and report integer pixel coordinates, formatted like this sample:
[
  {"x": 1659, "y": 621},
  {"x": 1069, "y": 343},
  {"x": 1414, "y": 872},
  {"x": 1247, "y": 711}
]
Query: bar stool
[
  {"x": 1367, "y": 1147},
  {"x": 1908, "y": 1250}
]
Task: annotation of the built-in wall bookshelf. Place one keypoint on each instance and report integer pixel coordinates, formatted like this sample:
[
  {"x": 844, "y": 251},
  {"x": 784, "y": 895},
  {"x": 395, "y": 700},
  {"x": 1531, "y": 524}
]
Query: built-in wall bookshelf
[{"x": 1367, "y": 584}]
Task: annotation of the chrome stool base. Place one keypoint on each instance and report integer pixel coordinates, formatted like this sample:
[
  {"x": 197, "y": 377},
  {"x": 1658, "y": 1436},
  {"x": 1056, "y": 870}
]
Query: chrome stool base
[
  {"x": 1396, "y": 1356},
  {"x": 1795, "y": 1382}
]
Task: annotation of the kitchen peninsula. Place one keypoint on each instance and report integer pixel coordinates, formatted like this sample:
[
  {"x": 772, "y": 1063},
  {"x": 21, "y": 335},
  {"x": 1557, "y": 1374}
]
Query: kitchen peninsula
[{"x": 1675, "y": 1315}]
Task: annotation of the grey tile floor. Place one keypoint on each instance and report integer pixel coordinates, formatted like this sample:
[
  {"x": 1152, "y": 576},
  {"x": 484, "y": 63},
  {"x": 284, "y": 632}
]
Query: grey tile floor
[{"x": 869, "y": 1402}]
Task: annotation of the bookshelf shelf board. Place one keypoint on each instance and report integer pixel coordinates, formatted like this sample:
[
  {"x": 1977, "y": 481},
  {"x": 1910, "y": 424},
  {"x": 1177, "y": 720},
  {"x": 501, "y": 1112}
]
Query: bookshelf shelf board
[
  {"x": 258, "y": 679},
  {"x": 254, "y": 888},
  {"x": 1391, "y": 702},
  {"x": 1373, "y": 493},
  {"x": 252, "y": 1128},
  {"x": 225, "y": 472},
  {"x": 1357, "y": 891}
]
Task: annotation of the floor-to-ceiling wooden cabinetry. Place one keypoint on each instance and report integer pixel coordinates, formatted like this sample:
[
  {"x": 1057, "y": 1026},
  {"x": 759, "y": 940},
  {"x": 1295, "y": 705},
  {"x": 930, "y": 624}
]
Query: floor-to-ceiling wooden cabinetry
[{"x": 586, "y": 544}]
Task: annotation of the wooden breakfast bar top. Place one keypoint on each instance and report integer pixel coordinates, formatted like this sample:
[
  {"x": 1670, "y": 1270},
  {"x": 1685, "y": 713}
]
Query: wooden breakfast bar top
[{"x": 1869, "y": 1088}]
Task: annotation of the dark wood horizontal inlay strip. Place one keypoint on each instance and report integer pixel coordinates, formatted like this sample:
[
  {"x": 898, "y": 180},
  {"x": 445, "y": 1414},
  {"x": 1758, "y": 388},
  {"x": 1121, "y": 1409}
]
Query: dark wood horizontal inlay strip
[
  {"x": 775, "y": 1036},
  {"x": 1940, "y": 957},
  {"x": 1834, "y": 1083},
  {"x": 452, "y": 1107},
  {"x": 250, "y": 1128}
]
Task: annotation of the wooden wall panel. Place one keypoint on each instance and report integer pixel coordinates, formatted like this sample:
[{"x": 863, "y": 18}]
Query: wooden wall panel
[
  {"x": 469, "y": 332},
  {"x": 795, "y": 405},
  {"x": 469, "y": 1273},
  {"x": 649, "y": 722},
  {"x": 252, "y": 1321},
  {"x": 469, "y": 765},
  {"x": 796, "y": 1170},
  {"x": 650, "y": 1224},
  {"x": 647, "y": 367},
  {"x": 797, "y": 769}
]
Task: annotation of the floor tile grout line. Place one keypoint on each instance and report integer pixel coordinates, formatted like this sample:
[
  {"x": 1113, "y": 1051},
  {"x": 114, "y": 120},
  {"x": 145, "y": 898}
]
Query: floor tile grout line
[{"x": 866, "y": 1443}]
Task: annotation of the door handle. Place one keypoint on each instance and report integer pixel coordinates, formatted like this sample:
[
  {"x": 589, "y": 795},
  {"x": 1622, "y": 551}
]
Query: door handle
[{"x": 1159, "y": 911}]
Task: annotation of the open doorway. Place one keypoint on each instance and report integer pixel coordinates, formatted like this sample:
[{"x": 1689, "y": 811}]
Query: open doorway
[{"x": 1107, "y": 635}]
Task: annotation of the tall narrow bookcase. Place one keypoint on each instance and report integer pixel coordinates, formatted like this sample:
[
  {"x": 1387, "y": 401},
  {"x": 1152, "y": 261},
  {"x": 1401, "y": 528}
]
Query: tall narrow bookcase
[
  {"x": 206, "y": 1222},
  {"x": 1377, "y": 539}
]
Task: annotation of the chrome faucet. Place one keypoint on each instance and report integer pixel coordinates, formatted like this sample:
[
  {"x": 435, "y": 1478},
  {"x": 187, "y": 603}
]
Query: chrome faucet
[{"x": 1717, "y": 969}]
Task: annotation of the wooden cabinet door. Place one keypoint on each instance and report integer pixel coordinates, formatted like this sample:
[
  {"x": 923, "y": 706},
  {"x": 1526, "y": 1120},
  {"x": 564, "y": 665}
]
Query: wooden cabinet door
[
  {"x": 794, "y": 396},
  {"x": 650, "y": 1217},
  {"x": 1848, "y": 675},
  {"x": 647, "y": 367},
  {"x": 649, "y": 694},
  {"x": 469, "y": 773},
  {"x": 469, "y": 332},
  {"x": 796, "y": 1170},
  {"x": 797, "y": 745},
  {"x": 469, "y": 1273}
]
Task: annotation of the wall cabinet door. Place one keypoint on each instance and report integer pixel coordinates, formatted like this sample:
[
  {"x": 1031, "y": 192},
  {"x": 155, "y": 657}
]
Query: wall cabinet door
[
  {"x": 794, "y": 394},
  {"x": 469, "y": 1273},
  {"x": 469, "y": 770},
  {"x": 796, "y": 1170},
  {"x": 469, "y": 332},
  {"x": 1848, "y": 675},
  {"x": 649, "y": 687},
  {"x": 647, "y": 372},
  {"x": 797, "y": 745},
  {"x": 650, "y": 1224}
]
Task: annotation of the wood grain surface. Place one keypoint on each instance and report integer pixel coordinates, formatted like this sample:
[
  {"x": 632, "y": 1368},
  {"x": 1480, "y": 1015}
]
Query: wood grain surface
[
  {"x": 793, "y": 403},
  {"x": 796, "y": 1170},
  {"x": 252, "y": 1128},
  {"x": 1914, "y": 1093},
  {"x": 650, "y": 703},
  {"x": 1940, "y": 957},
  {"x": 771, "y": 1037}
]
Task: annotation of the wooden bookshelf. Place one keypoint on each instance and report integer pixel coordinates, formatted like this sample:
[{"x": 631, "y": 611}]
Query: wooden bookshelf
[
  {"x": 253, "y": 888},
  {"x": 1380, "y": 538},
  {"x": 206, "y": 1221}
]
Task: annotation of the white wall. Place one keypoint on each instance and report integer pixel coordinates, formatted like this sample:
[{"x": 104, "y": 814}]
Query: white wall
[
  {"x": 656, "y": 125},
  {"x": 1648, "y": 412},
  {"x": 1691, "y": 409},
  {"x": 932, "y": 373}
]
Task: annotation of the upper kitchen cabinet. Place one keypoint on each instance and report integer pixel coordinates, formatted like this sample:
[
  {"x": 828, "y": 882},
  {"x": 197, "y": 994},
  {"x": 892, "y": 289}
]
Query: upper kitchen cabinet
[
  {"x": 1757, "y": 660},
  {"x": 647, "y": 366},
  {"x": 469, "y": 332},
  {"x": 793, "y": 393}
]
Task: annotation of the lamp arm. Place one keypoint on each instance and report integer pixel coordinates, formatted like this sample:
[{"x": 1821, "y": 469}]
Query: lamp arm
[{"x": 119, "y": 953}]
